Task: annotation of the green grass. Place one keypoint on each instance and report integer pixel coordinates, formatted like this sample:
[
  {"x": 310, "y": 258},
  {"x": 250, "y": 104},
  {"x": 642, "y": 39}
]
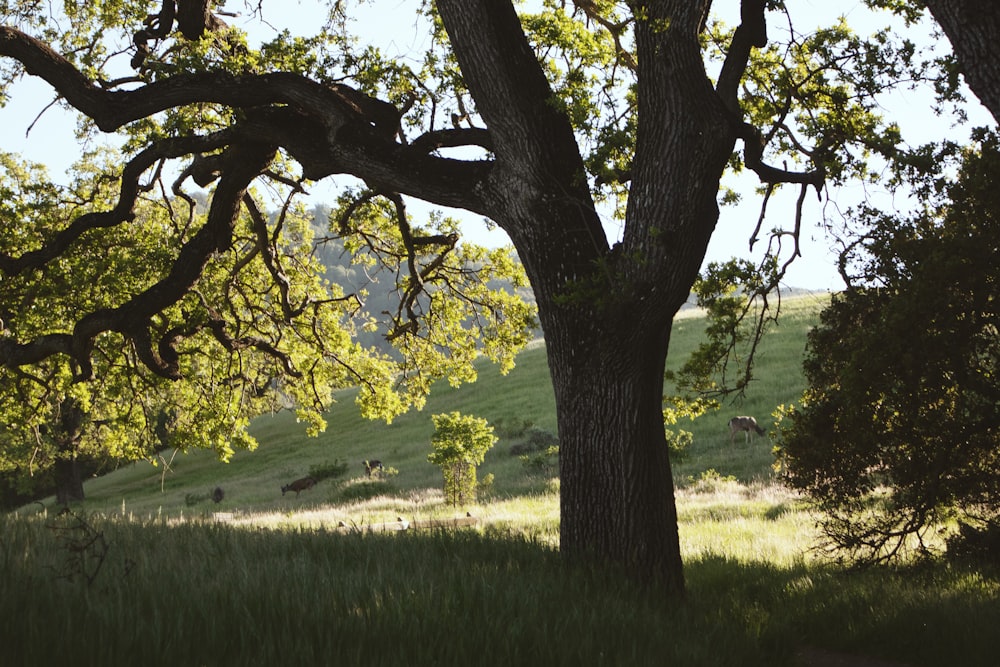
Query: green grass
[
  {"x": 188, "y": 593},
  {"x": 261, "y": 579}
]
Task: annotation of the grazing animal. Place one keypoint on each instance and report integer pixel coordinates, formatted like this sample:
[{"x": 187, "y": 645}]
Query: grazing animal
[
  {"x": 373, "y": 466},
  {"x": 298, "y": 486},
  {"x": 745, "y": 424}
]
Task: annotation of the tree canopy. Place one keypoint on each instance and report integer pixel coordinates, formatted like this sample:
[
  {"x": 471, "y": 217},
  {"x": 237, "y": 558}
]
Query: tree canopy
[
  {"x": 898, "y": 432},
  {"x": 549, "y": 118}
]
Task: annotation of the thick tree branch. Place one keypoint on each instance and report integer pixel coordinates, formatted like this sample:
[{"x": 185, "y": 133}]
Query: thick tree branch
[
  {"x": 335, "y": 105},
  {"x": 123, "y": 210},
  {"x": 753, "y": 154},
  {"x": 752, "y": 32},
  {"x": 511, "y": 92},
  {"x": 217, "y": 325},
  {"x": 133, "y": 318},
  {"x": 431, "y": 141},
  {"x": 267, "y": 251},
  {"x": 329, "y": 128}
]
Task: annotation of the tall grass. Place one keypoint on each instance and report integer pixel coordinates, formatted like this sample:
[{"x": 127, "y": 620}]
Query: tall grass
[
  {"x": 209, "y": 594},
  {"x": 261, "y": 579}
]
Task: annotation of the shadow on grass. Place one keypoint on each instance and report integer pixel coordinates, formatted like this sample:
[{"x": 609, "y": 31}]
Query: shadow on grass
[
  {"x": 934, "y": 614},
  {"x": 220, "y": 595}
]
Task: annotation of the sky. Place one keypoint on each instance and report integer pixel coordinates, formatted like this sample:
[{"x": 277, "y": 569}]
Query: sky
[{"x": 51, "y": 139}]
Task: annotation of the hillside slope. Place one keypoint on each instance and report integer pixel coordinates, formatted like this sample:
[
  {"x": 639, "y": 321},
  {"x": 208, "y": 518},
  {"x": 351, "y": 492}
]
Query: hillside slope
[{"x": 181, "y": 483}]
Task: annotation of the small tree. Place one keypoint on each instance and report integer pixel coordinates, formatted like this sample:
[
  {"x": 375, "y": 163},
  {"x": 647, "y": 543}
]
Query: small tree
[{"x": 460, "y": 443}]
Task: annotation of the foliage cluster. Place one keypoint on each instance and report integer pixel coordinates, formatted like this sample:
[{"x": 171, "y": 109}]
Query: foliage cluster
[
  {"x": 898, "y": 433},
  {"x": 328, "y": 470},
  {"x": 460, "y": 443}
]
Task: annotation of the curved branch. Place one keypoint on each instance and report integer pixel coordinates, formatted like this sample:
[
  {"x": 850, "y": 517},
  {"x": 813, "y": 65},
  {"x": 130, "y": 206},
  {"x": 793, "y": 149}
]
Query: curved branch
[
  {"x": 123, "y": 211},
  {"x": 157, "y": 27},
  {"x": 336, "y": 105},
  {"x": 217, "y": 325},
  {"x": 244, "y": 162},
  {"x": 511, "y": 92},
  {"x": 14, "y": 354},
  {"x": 753, "y": 154},
  {"x": 329, "y": 129},
  {"x": 431, "y": 141},
  {"x": 752, "y": 32},
  {"x": 418, "y": 276},
  {"x": 266, "y": 248}
]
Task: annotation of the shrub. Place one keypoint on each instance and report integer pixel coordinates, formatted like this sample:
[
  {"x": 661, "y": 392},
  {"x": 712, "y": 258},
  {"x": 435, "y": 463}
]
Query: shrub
[
  {"x": 978, "y": 543},
  {"x": 536, "y": 440},
  {"x": 460, "y": 443},
  {"x": 678, "y": 444},
  {"x": 512, "y": 427},
  {"x": 364, "y": 491},
  {"x": 192, "y": 499},
  {"x": 328, "y": 470},
  {"x": 542, "y": 462},
  {"x": 540, "y": 438}
]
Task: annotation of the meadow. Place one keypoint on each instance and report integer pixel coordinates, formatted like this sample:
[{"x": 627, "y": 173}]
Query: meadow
[{"x": 151, "y": 570}]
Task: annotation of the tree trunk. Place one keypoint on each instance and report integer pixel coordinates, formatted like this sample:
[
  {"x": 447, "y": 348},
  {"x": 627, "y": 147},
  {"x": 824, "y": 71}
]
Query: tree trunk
[
  {"x": 616, "y": 486},
  {"x": 69, "y": 481},
  {"x": 606, "y": 311},
  {"x": 973, "y": 28}
]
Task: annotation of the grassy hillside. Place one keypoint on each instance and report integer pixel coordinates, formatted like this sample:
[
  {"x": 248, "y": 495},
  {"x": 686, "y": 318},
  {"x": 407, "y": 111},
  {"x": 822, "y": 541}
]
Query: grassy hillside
[
  {"x": 270, "y": 580},
  {"x": 182, "y": 482}
]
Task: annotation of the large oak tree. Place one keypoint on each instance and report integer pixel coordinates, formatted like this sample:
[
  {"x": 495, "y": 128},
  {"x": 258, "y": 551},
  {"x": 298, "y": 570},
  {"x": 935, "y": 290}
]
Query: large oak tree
[{"x": 564, "y": 113}]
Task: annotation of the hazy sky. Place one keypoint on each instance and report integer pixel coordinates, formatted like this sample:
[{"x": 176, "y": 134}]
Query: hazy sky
[{"x": 51, "y": 139}]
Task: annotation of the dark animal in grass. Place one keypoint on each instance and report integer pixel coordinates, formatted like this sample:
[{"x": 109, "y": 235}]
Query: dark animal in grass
[
  {"x": 373, "y": 466},
  {"x": 744, "y": 424},
  {"x": 299, "y": 485},
  {"x": 218, "y": 494}
]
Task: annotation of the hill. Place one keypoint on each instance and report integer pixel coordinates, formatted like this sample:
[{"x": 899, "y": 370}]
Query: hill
[{"x": 521, "y": 406}]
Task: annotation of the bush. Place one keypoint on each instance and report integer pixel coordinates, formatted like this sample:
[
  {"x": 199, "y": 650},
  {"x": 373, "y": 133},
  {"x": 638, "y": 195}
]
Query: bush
[
  {"x": 512, "y": 427},
  {"x": 460, "y": 443},
  {"x": 542, "y": 463},
  {"x": 979, "y": 543},
  {"x": 898, "y": 429},
  {"x": 364, "y": 491},
  {"x": 328, "y": 470},
  {"x": 536, "y": 440}
]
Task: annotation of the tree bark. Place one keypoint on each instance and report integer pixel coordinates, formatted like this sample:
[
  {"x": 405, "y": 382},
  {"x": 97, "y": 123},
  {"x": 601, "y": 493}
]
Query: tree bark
[
  {"x": 606, "y": 311},
  {"x": 69, "y": 481},
  {"x": 616, "y": 485},
  {"x": 973, "y": 28}
]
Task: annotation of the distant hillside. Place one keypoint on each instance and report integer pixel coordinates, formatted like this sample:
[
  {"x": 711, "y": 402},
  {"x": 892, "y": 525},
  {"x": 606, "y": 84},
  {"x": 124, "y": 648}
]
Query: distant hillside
[
  {"x": 379, "y": 283},
  {"x": 516, "y": 404}
]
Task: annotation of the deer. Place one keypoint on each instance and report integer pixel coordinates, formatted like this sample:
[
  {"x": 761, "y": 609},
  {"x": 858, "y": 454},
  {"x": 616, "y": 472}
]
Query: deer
[
  {"x": 745, "y": 424},
  {"x": 298, "y": 486},
  {"x": 373, "y": 466}
]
